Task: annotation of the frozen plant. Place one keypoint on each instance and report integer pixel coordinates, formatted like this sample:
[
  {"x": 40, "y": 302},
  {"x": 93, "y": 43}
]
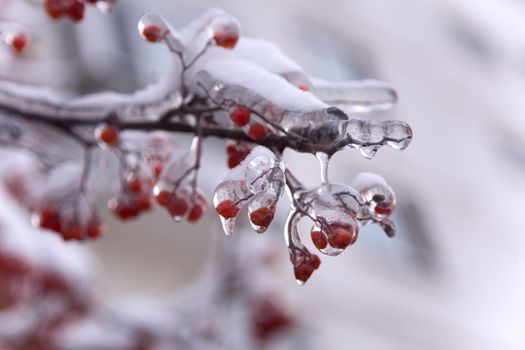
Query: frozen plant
[{"x": 223, "y": 85}]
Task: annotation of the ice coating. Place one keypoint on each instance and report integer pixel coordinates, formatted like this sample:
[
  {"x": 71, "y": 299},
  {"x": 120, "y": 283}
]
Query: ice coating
[
  {"x": 199, "y": 33},
  {"x": 356, "y": 96},
  {"x": 379, "y": 197},
  {"x": 258, "y": 181},
  {"x": 340, "y": 229},
  {"x": 239, "y": 172},
  {"x": 263, "y": 172},
  {"x": 329, "y": 196},
  {"x": 236, "y": 194},
  {"x": 369, "y": 136},
  {"x": 162, "y": 31}
]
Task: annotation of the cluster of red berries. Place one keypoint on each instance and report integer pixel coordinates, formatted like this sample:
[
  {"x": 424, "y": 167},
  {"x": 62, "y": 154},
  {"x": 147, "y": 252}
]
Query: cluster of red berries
[
  {"x": 19, "y": 278},
  {"x": 134, "y": 198},
  {"x": 180, "y": 203},
  {"x": 12, "y": 272},
  {"x": 269, "y": 318},
  {"x": 241, "y": 116},
  {"x": 304, "y": 264},
  {"x": 68, "y": 228},
  {"x": 338, "y": 235},
  {"x": 237, "y": 151},
  {"x": 74, "y": 9}
]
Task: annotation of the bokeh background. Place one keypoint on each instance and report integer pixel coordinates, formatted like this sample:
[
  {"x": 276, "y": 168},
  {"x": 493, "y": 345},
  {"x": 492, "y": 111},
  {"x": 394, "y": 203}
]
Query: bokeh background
[{"x": 454, "y": 277}]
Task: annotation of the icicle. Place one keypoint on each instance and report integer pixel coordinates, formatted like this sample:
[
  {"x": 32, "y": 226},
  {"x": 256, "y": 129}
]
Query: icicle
[
  {"x": 356, "y": 96},
  {"x": 323, "y": 163}
]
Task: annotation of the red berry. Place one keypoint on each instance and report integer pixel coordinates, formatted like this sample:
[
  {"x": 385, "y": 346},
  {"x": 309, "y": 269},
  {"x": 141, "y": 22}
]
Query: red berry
[
  {"x": 304, "y": 88},
  {"x": 315, "y": 261},
  {"x": 240, "y": 116},
  {"x": 384, "y": 210},
  {"x": 94, "y": 229},
  {"x": 19, "y": 42},
  {"x": 195, "y": 213},
  {"x": 257, "y": 131},
  {"x": 233, "y": 161},
  {"x": 108, "y": 135},
  {"x": 269, "y": 318},
  {"x": 262, "y": 217},
  {"x": 227, "y": 209},
  {"x": 134, "y": 184},
  {"x": 164, "y": 197},
  {"x": 123, "y": 210},
  {"x": 54, "y": 8},
  {"x": 152, "y": 33},
  {"x": 76, "y": 10},
  {"x": 178, "y": 206},
  {"x": 231, "y": 148},
  {"x": 144, "y": 203},
  {"x": 49, "y": 219},
  {"x": 157, "y": 169},
  {"x": 237, "y": 152},
  {"x": 303, "y": 272},
  {"x": 340, "y": 237},
  {"x": 72, "y": 233},
  {"x": 319, "y": 239},
  {"x": 228, "y": 40}
]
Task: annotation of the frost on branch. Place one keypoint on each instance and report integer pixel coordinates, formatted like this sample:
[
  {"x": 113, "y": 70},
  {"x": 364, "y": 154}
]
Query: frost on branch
[{"x": 224, "y": 85}]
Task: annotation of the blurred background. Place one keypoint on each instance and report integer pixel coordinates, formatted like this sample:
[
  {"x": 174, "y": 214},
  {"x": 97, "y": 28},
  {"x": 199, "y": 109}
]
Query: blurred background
[{"x": 454, "y": 277}]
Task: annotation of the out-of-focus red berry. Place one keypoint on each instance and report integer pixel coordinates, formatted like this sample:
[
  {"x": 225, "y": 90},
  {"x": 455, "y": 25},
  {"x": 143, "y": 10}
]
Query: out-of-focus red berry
[
  {"x": 178, "y": 206},
  {"x": 54, "y": 8},
  {"x": 152, "y": 33},
  {"x": 225, "y": 39},
  {"x": 157, "y": 169},
  {"x": 304, "y": 88},
  {"x": 123, "y": 210},
  {"x": 49, "y": 219},
  {"x": 95, "y": 229},
  {"x": 143, "y": 202},
  {"x": 107, "y": 134},
  {"x": 134, "y": 184},
  {"x": 76, "y": 10},
  {"x": 227, "y": 209},
  {"x": 19, "y": 42},
  {"x": 195, "y": 213},
  {"x": 72, "y": 233},
  {"x": 164, "y": 197}
]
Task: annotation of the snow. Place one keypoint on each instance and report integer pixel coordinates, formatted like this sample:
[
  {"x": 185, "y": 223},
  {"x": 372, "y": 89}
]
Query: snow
[{"x": 238, "y": 72}]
